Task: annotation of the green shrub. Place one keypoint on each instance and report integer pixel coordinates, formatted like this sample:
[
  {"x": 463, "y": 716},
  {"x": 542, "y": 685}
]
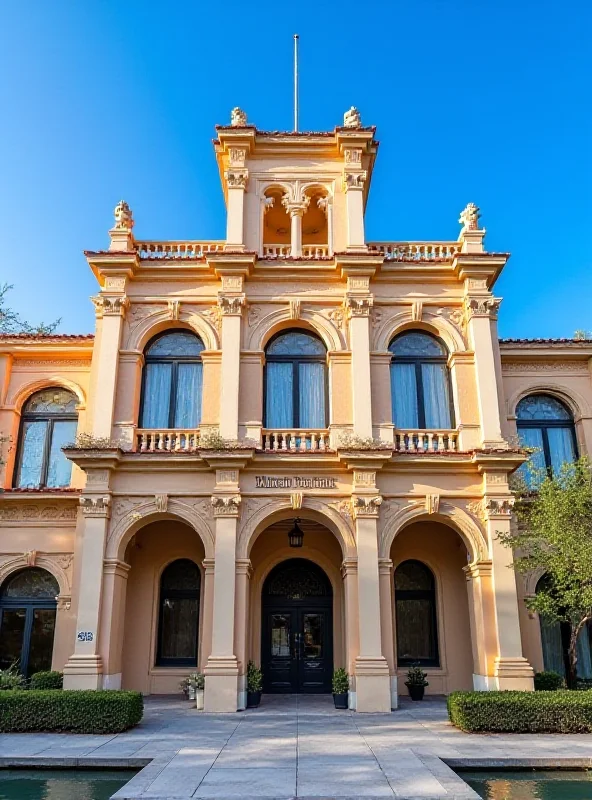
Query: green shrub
[
  {"x": 521, "y": 712},
  {"x": 76, "y": 711},
  {"x": 340, "y": 681},
  {"x": 416, "y": 676},
  {"x": 47, "y": 680},
  {"x": 254, "y": 678},
  {"x": 548, "y": 681},
  {"x": 11, "y": 678}
]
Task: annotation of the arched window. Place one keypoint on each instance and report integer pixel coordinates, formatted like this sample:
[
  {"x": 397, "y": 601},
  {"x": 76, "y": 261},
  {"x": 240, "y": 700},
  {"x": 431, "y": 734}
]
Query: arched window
[
  {"x": 172, "y": 386},
  {"x": 48, "y": 422},
  {"x": 296, "y": 381},
  {"x": 555, "y": 637},
  {"x": 415, "y": 608},
  {"x": 178, "y": 621},
  {"x": 546, "y": 424},
  {"x": 420, "y": 382},
  {"x": 27, "y": 620}
]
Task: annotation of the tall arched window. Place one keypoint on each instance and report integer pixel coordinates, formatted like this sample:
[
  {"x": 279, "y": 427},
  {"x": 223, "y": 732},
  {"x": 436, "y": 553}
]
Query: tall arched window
[
  {"x": 546, "y": 424},
  {"x": 420, "y": 382},
  {"x": 415, "y": 608},
  {"x": 172, "y": 385},
  {"x": 48, "y": 422},
  {"x": 178, "y": 621},
  {"x": 27, "y": 620},
  {"x": 296, "y": 381},
  {"x": 555, "y": 637}
]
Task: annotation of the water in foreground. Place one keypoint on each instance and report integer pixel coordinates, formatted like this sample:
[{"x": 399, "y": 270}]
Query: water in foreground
[
  {"x": 530, "y": 784},
  {"x": 54, "y": 784}
]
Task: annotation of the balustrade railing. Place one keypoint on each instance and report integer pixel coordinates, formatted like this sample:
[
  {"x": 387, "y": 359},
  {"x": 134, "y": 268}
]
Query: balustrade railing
[
  {"x": 295, "y": 441},
  {"x": 169, "y": 441},
  {"x": 426, "y": 441},
  {"x": 285, "y": 250},
  {"x": 177, "y": 251},
  {"x": 276, "y": 250},
  {"x": 315, "y": 250},
  {"x": 416, "y": 251}
]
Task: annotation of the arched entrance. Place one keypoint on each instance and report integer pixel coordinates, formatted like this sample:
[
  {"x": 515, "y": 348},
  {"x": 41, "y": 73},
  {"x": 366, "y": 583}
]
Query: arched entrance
[
  {"x": 27, "y": 620},
  {"x": 297, "y": 628}
]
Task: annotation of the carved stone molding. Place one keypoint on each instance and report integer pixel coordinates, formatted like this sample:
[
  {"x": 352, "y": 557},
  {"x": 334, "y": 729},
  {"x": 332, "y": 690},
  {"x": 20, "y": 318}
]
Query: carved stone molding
[
  {"x": 358, "y": 306},
  {"x": 366, "y": 506},
  {"x": 174, "y": 308},
  {"x": 226, "y": 506},
  {"x": 295, "y": 308},
  {"x": 81, "y": 363},
  {"x": 238, "y": 156},
  {"x": 545, "y": 366},
  {"x": 253, "y": 315},
  {"x": 432, "y": 503},
  {"x": 500, "y": 507},
  {"x": 17, "y": 512},
  {"x": 352, "y": 155},
  {"x": 343, "y": 507},
  {"x": 96, "y": 506},
  {"x": 296, "y": 500},
  {"x": 231, "y": 306},
  {"x": 161, "y": 501},
  {"x": 237, "y": 178},
  {"x": 416, "y": 310},
  {"x": 365, "y": 479},
  {"x": 232, "y": 283},
  {"x": 214, "y": 316},
  {"x": 337, "y": 317},
  {"x": 482, "y": 307},
  {"x": 354, "y": 180},
  {"x": 106, "y": 306}
]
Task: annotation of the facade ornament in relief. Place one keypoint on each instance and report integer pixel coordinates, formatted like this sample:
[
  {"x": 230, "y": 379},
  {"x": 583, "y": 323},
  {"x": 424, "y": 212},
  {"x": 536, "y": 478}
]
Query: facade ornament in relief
[
  {"x": 27, "y": 512},
  {"x": 366, "y": 506},
  {"x": 359, "y": 306},
  {"x": 296, "y": 500},
  {"x": 343, "y": 507},
  {"x": 95, "y": 506},
  {"x": 253, "y": 315},
  {"x": 500, "y": 507},
  {"x": 323, "y": 203},
  {"x": 231, "y": 306},
  {"x": 295, "y": 308},
  {"x": 124, "y": 220},
  {"x": 268, "y": 204},
  {"x": 416, "y": 310},
  {"x": 65, "y": 561},
  {"x": 30, "y": 557},
  {"x": 226, "y": 506},
  {"x": 174, "y": 307},
  {"x": 238, "y": 118},
  {"x": 238, "y": 156},
  {"x": 352, "y": 118},
  {"x": 482, "y": 307},
  {"x": 432, "y": 503},
  {"x": 161, "y": 501},
  {"x": 214, "y": 315},
  {"x": 237, "y": 178},
  {"x": 469, "y": 218},
  {"x": 353, "y": 155},
  {"x": 106, "y": 306},
  {"x": 354, "y": 180},
  {"x": 337, "y": 317}
]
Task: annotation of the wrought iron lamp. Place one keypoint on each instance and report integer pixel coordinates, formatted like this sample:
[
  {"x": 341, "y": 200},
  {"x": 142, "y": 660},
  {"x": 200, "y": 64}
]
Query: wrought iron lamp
[{"x": 296, "y": 536}]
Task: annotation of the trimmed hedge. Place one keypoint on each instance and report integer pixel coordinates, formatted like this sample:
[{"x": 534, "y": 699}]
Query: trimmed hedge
[
  {"x": 521, "y": 712},
  {"x": 85, "y": 711},
  {"x": 548, "y": 681},
  {"x": 47, "y": 680}
]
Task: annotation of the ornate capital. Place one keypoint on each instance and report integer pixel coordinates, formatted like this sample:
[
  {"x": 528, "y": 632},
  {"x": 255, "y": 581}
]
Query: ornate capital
[
  {"x": 354, "y": 180},
  {"x": 106, "y": 306},
  {"x": 237, "y": 178},
  {"x": 231, "y": 306},
  {"x": 296, "y": 208},
  {"x": 358, "y": 306},
  {"x": 500, "y": 507},
  {"x": 226, "y": 506},
  {"x": 482, "y": 307},
  {"x": 96, "y": 506},
  {"x": 366, "y": 506}
]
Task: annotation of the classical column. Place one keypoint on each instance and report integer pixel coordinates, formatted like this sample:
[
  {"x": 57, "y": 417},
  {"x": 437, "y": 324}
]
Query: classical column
[
  {"x": 236, "y": 177},
  {"x": 231, "y": 307},
  {"x": 128, "y": 396},
  {"x": 385, "y": 575},
  {"x": 221, "y": 670},
  {"x": 110, "y": 310},
  {"x": 115, "y": 574},
  {"x": 373, "y": 691},
  {"x": 358, "y": 310},
  {"x": 354, "y": 179},
  {"x": 482, "y": 622},
  {"x": 205, "y": 641},
  {"x": 84, "y": 669},
  {"x": 296, "y": 209},
  {"x": 241, "y": 626},
  {"x": 349, "y": 573}
]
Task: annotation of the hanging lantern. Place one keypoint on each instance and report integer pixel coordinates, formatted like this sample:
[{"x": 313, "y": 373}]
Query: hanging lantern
[{"x": 296, "y": 536}]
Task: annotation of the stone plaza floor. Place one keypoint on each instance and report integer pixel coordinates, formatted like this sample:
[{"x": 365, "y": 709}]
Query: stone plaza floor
[{"x": 294, "y": 746}]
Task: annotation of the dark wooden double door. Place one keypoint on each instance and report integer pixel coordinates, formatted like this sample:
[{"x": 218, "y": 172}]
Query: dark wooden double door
[{"x": 297, "y": 630}]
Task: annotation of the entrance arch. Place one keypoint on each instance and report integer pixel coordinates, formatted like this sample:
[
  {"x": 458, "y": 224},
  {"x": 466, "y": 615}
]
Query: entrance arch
[{"x": 297, "y": 628}]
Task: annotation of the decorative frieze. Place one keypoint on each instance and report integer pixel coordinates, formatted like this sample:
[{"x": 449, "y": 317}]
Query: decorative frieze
[
  {"x": 115, "y": 283},
  {"x": 238, "y": 156},
  {"x": 364, "y": 479},
  {"x": 226, "y": 506},
  {"x": 80, "y": 363},
  {"x": 17, "y": 512},
  {"x": 571, "y": 367},
  {"x": 366, "y": 506},
  {"x": 353, "y": 155},
  {"x": 96, "y": 506},
  {"x": 232, "y": 283}
]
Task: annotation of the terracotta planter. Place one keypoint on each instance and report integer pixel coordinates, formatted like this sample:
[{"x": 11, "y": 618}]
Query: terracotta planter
[
  {"x": 415, "y": 692},
  {"x": 253, "y": 699},
  {"x": 340, "y": 700}
]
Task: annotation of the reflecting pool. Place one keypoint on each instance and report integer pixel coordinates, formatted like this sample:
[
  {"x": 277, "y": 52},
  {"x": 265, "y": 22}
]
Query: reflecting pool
[
  {"x": 530, "y": 784},
  {"x": 67, "y": 784}
]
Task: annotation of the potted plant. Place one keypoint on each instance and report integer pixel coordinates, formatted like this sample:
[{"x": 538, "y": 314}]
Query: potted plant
[
  {"x": 416, "y": 682},
  {"x": 254, "y": 685},
  {"x": 340, "y": 688},
  {"x": 198, "y": 681},
  {"x": 188, "y": 685}
]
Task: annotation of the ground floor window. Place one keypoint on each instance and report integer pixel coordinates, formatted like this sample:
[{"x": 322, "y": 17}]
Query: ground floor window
[
  {"x": 178, "y": 622},
  {"x": 555, "y": 637},
  {"x": 27, "y": 620},
  {"x": 415, "y": 611}
]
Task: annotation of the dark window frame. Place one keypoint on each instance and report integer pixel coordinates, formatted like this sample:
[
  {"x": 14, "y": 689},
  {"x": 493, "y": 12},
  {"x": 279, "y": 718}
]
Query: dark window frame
[
  {"x": 177, "y": 594},
  {"x": 41, "y": 416},
  {"x": 544, "y": 424},
  {"x": 417, "y": 361},
  {"x": 174, "y": 361},
  {"x": 419, "y": 594},
  {"x": 296, "y": 360}
]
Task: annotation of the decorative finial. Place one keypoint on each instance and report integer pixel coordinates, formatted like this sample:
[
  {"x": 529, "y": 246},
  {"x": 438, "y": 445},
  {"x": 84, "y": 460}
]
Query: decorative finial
[
  {"x": 469, "y": 217},
  {"x": 238, "y": 118},
  {"x": 352, "y": 118},
  {"x": 124, "y": 220}
]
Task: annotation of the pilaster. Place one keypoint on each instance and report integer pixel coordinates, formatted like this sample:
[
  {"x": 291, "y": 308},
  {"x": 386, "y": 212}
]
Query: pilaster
[{"x": 231, "y": 307}]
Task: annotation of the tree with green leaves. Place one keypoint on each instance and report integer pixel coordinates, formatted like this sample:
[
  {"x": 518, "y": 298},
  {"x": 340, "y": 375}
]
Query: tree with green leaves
[
  {"x": 11, "y": 321},
  {"x": 554, "y": 537}
]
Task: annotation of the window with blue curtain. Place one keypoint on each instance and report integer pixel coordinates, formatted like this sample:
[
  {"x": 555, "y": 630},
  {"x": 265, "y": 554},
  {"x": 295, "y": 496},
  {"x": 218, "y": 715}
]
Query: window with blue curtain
[
  {"x": 415, "y": 612},
  {"x": 545, "y": 424},
  {"x": 172, "y": 381},
  {"x": 295, "y": 381},
  {"x": 420, "y": 382},
  {"x": 555, "y": 638},
  {"x": 48, "y": 422},
  {"x": 178, "y": 622}
]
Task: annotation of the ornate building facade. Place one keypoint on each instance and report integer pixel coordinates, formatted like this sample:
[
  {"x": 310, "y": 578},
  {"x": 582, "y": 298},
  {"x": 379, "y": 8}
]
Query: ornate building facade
[{"x": 291, "y": 446}]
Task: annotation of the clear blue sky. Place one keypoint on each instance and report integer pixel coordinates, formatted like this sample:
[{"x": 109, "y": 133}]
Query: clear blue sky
[{"x": 481, "y": 100}]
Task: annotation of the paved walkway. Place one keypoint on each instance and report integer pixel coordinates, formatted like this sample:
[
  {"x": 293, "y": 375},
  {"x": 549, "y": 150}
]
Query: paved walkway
[{"x": 292, "y": 746}]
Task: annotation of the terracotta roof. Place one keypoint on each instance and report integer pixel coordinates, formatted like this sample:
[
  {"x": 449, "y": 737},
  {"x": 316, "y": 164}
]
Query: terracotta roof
[
  {"x": 46, "y": 337},
  {"x": 577, "y": 342}
]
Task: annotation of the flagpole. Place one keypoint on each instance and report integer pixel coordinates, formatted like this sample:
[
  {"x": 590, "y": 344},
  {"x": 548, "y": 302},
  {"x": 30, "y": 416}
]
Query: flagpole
[{"x": 296, "y": 37}]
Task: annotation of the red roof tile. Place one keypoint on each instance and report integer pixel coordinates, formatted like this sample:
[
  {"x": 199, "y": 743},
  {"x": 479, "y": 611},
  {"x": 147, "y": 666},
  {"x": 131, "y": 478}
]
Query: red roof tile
[{"x": 46, "y": 337}]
